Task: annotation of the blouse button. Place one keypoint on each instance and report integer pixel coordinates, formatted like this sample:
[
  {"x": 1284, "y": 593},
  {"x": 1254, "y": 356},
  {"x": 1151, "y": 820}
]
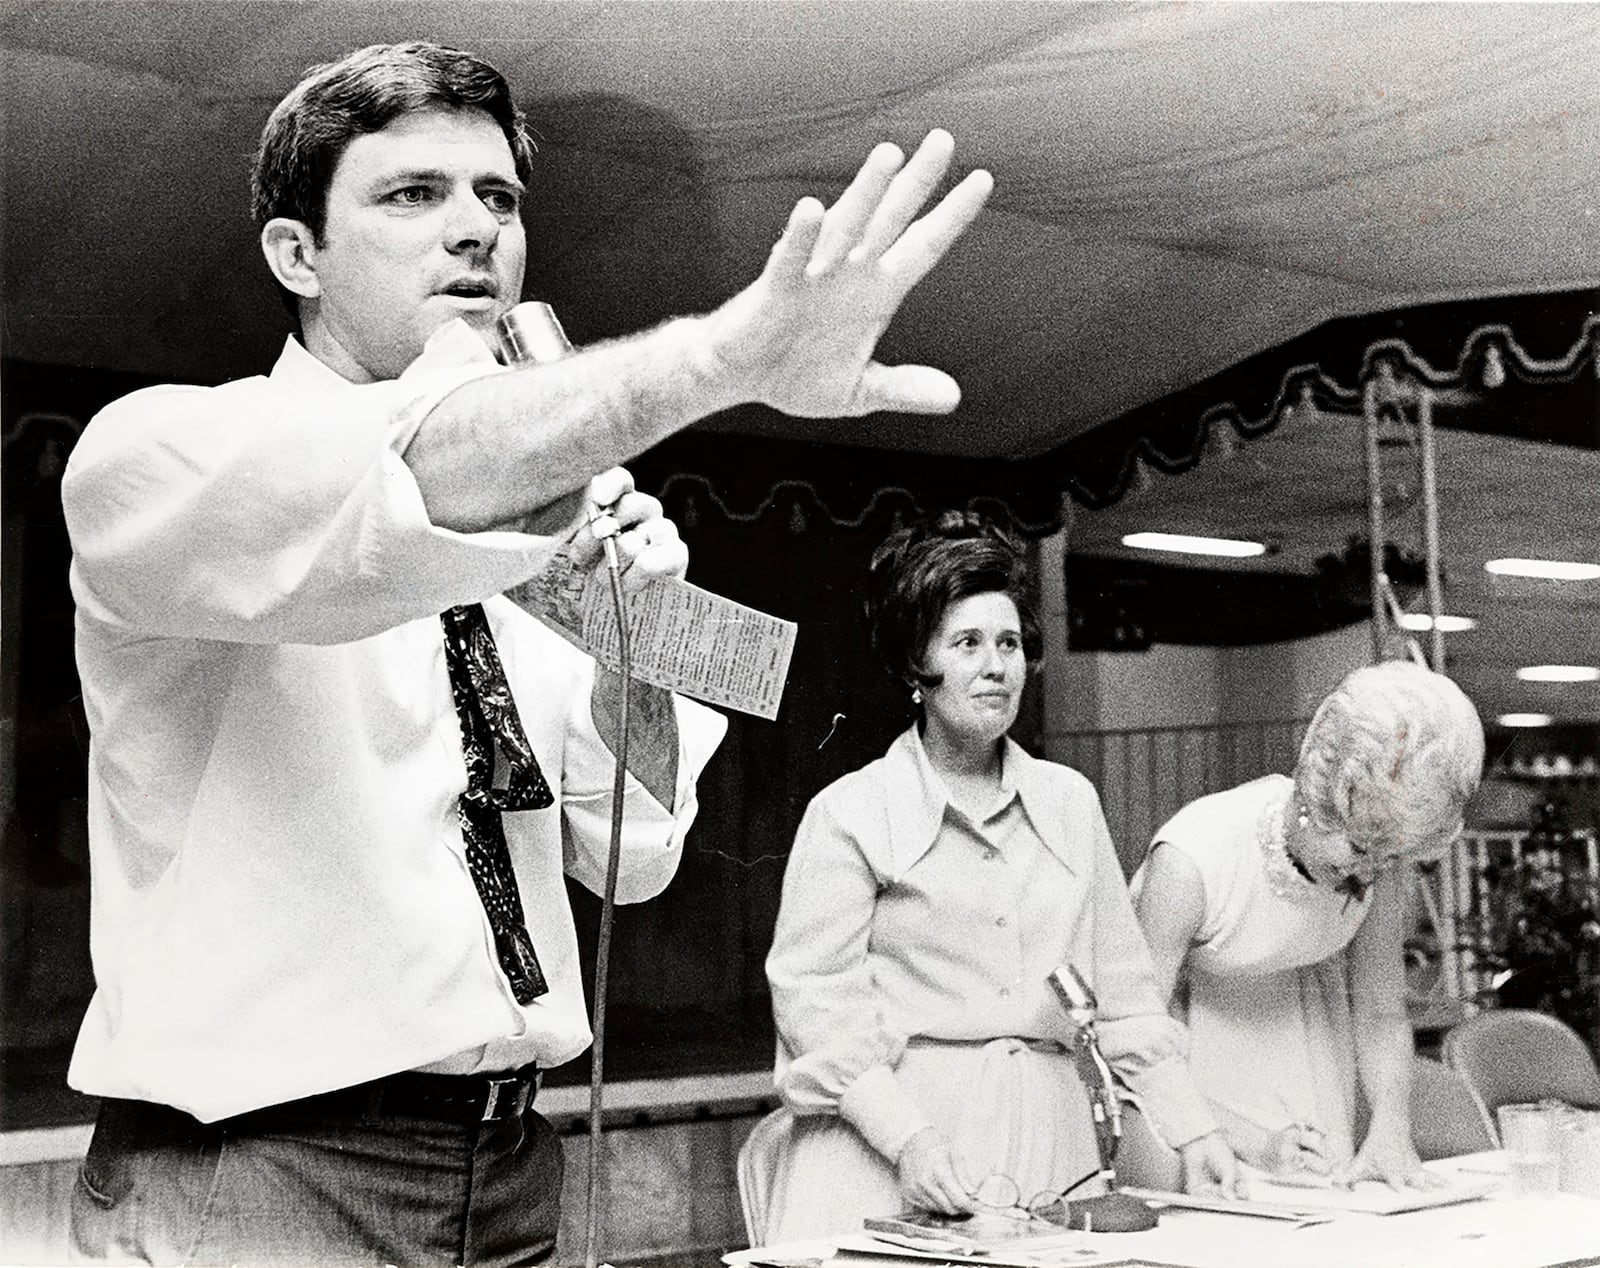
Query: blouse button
[
  {"x": 1005, "y": 992},
  {"x": 1000, "y": 921}
]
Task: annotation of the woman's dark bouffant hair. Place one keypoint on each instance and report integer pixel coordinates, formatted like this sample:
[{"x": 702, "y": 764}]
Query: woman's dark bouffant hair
[{"x": 919, "y": 571}]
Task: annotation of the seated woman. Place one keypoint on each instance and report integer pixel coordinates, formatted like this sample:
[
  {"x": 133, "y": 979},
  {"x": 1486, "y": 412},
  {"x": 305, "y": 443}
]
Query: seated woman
[
  {"x": 926, "y": 900},
  {"x": 1281, "y": 903}
]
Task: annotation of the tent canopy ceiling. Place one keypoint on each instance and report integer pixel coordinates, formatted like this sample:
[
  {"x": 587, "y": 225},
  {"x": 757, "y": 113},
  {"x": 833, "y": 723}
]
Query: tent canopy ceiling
[
  {"x": 1178, "y": 185},
  {"x": 1180, "y": 188}
]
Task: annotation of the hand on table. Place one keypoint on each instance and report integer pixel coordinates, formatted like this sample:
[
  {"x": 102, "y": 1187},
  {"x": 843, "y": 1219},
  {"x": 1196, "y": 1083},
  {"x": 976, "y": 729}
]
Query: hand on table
[
  {"x": 801, "y": 336},
  {"x": 927, "y": 1175},
  {"x": 1296, "y": 1152},
  {"x": 1210, "y": 1167},
  {"x": 1391, "y": 1159}
]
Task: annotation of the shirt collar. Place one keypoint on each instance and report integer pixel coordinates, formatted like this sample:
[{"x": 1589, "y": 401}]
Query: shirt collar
[
  {"x": 917, "y": 799},
  {"x": 453, "y": 344}
]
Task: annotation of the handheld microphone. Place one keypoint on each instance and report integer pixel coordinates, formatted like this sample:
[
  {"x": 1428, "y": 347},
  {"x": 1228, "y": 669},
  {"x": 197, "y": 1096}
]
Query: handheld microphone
[
  {"x": 1111, "y": 1212},
  {"x": 531, "y": 333}
]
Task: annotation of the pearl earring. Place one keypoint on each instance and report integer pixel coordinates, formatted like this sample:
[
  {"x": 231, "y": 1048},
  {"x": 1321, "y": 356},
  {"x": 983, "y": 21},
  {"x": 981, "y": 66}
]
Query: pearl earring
[{"x": 916, "y": 695}]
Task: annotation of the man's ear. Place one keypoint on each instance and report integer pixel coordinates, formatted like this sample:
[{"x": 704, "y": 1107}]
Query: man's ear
[{"x": 291, "y": 251}]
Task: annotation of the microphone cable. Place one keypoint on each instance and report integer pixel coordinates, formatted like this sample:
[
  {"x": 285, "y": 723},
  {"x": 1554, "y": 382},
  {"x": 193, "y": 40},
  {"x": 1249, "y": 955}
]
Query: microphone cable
[
  {"x": 530, "y": 333},
  {"x": 608, "y": 903}
]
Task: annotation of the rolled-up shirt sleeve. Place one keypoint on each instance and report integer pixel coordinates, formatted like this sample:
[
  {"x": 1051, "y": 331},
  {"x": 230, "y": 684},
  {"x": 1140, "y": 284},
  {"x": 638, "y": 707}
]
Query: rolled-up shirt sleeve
[
  {"x": 1144, "y": 1044},
  {"x": 276, "y": 510},
  {"x": 837, "y": 1050}
]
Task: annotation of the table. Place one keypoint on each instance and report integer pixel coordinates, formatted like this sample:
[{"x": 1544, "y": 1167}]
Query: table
[{"x": 1501, "y": 1231}]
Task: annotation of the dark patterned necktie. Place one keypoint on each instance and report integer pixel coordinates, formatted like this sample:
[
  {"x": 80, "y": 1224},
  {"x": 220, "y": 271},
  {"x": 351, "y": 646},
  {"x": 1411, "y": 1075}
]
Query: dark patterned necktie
[{"x": 489, "y": 720}]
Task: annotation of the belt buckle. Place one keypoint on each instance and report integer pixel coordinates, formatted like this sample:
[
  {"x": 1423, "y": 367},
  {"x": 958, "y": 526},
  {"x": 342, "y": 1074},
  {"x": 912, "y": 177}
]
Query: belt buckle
[{"x": 507, "y": 1098}]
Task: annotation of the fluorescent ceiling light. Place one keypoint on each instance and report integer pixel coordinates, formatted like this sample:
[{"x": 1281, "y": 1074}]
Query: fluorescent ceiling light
[
  {"x": 1558, "y": 673},
  {"x": 1447, "y": 624},
  {"x": 1231, "y": 547},
  {"x": 1525, "y": 719},
  {"x": 1549, "y": 569}
]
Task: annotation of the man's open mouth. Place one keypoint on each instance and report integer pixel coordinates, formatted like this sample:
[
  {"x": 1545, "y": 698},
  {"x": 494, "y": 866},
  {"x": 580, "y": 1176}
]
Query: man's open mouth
[{"x": 469, "y": 288}]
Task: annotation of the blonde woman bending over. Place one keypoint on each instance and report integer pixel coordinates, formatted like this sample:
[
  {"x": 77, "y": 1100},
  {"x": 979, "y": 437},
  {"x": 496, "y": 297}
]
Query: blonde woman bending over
[{"x": 1279, "y": 902}]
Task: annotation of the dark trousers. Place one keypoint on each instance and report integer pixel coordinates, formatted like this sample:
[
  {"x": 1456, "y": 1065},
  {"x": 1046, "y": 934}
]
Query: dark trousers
[{"x": 352, "y": 1177}]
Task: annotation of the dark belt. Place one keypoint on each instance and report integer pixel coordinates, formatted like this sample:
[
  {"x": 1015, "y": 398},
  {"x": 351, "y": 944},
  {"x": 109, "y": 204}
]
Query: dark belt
[
  {"x": 456, "y": 1098},
  {"x": 449, "y": 1098}
]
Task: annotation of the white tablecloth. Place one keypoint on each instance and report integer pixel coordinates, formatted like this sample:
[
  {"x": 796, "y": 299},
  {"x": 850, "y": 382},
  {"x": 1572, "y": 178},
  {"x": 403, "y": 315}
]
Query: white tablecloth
[{"x": 1501, "y": 1231}]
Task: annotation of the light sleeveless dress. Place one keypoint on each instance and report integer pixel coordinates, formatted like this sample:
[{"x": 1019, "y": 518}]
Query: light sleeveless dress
[{"x": 1270, "y": 1033}]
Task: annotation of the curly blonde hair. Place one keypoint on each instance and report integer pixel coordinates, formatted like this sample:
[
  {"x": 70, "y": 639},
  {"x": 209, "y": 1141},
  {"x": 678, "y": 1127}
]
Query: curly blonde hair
[{"x": 1390, "y": 759}]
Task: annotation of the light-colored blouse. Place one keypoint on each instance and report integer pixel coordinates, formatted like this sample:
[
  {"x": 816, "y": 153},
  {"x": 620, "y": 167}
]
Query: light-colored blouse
[{"x": 904, "y": 917}]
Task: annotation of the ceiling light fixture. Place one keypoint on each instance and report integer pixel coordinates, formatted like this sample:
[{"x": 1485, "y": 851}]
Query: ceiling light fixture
[
  {"x": 1525, "y": 719},
  {"x": 1558, "y": 673},
  {"x": 1227, "y": 546},
  {"x": 1447, "y": 624},
  {"x": 1547, "y": 569}
]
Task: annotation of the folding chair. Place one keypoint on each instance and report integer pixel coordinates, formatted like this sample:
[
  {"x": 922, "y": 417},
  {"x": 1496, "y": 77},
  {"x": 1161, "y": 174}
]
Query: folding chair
[
  {"x": 1445, "y": 1117},
  {"x": 760, "y": 1161},
  {"x": 1509, "y": 1055}
]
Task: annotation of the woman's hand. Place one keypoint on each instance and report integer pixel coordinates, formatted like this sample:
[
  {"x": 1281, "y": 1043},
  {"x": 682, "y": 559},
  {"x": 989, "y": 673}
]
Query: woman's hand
[
  {"x": 927, "y": 1175},
  {"x": 1295, "y": 1152},
  {"x": 1389, "y": 1157},
  {"x": 1209, "y": 1166}
]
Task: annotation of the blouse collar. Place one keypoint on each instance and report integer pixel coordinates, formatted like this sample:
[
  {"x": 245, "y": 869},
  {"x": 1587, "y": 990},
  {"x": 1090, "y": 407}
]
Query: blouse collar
[{"x": 918, "y": 800}]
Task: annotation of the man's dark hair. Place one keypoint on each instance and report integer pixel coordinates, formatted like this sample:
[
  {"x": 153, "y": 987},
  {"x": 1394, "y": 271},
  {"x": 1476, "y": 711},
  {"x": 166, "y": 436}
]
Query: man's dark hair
[
  {"x": 364, "y": 92},
  {"x": 919, "y": 571}
]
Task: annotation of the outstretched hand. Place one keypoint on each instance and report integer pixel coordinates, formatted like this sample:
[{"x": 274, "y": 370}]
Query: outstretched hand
[{"x": 801, "y": 336}]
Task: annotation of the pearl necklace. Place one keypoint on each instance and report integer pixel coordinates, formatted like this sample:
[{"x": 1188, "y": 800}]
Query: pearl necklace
[
  {"x": 1285, "y": 873},
  {"x": 1286, "y": 879}
]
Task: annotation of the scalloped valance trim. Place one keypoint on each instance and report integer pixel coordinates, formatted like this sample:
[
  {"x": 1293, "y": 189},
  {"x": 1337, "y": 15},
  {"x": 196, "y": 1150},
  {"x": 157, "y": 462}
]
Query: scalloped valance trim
[
  {"x": 792, "y": 495},
  {"x": 1489, "y": 354}
]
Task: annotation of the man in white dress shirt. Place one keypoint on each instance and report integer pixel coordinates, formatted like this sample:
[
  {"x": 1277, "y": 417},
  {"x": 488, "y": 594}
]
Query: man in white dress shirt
[{"x": 331, "y": 945}]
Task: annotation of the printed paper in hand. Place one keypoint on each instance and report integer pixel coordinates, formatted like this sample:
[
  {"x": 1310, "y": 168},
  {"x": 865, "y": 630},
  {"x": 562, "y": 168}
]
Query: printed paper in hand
[{"x": 683, "y": 638}]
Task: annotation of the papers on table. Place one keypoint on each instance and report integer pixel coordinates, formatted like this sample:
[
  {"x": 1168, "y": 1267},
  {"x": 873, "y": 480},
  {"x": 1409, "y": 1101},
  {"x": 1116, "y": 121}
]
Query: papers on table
[
  {"x": 1487, "y": 1162},
  {"x": 1273, "y": 1200},
  {"x": 974, "y": 1234},
  {"x": 1226, "y": 1206},
  {"x": 1064, "y": 1249},
  {"x": 1546, "y": 1231}
]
